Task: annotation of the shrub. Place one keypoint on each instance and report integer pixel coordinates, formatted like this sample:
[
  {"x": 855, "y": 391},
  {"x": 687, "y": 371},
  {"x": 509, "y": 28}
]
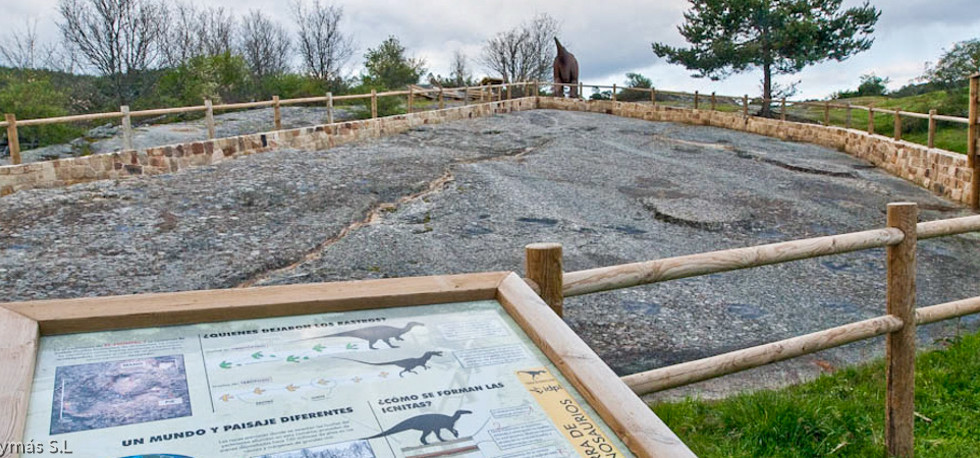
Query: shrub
[{"x": 28, "y": 95}]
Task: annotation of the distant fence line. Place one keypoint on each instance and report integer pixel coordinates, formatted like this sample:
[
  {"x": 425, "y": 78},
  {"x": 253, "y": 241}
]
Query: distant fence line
[
  {"x": 497, "y": 92},
  {"x": 125, "y": 115}
]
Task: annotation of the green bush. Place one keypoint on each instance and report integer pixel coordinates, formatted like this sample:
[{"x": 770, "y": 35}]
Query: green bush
[
  {"x": 291, "y": 86},
  {"x": 387, "y": 106},
  {"x": 30, "y": 95},
  {"x": 222, "y": 78},
  {"x": 634, "y": 80}
]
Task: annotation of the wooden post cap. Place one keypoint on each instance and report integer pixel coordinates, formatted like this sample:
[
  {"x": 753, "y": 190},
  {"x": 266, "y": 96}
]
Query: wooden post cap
[{"x": 542, "y": 246}]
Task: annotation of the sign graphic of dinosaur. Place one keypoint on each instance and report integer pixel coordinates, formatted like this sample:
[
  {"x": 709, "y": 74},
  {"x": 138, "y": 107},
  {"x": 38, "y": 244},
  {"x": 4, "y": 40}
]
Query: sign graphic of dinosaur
[
  {"x": 534, "y": 374},
  {"x": 373, "y": 334},
  {"x": 428, "y": 423},
  {"x": 407, "y": 365}
]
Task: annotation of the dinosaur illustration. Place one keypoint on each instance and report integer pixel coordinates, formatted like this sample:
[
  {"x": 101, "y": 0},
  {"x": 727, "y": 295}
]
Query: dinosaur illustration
[
  {"x": 566, "y": 71},
  {"x": 534, "y": 374},
  {"x": 428, "y": 423},
  {"x": 407, "y": 364},
  {"x": 373, "y": 334}
]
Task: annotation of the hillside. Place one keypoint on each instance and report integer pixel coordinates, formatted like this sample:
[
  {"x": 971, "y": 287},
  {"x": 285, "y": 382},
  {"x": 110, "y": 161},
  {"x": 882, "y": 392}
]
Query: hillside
[{"x": 949, "y": 136}]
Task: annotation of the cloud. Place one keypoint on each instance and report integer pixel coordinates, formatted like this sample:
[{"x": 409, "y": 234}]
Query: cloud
[{"x": 608, "y": 38}]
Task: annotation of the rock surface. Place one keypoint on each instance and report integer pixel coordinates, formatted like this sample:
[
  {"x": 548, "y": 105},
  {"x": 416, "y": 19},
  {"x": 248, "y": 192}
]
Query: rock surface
[{"x": 467, "y": 196}]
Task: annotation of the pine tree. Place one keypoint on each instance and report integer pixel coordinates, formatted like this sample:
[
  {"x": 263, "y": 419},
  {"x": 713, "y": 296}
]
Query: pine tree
[{"x": 778, "y": 36}]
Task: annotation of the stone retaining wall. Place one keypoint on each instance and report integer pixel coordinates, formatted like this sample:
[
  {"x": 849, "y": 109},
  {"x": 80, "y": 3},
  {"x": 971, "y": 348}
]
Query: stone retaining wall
[
  {"x": 171, "y": 158},
  {"x": 942, "y": 172}
]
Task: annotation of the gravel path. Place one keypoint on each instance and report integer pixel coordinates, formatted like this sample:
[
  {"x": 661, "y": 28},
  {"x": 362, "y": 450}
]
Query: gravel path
[{"x": 469, "y": 195}]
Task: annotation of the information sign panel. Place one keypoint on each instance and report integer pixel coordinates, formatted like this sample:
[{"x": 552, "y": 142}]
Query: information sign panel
[
  {"x": 434, "y": 380},
  {"x": 468, "y": 365}
]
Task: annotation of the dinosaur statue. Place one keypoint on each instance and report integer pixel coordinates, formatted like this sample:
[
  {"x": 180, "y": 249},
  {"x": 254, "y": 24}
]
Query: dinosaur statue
[
  {"x": 428, "y": 423},
  {"x": 373, "y": 334},
  {"x": 407, "y": 365},
  {"x": 566, "y": 71}
]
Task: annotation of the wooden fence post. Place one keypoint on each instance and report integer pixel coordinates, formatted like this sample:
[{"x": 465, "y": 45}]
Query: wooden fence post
[
  {"x": 442, "y": 100},
  {"x": 745, "y": 106},
  {"x": 713, "y": 102},
  {"x": 653, "y": 96},
  {"x": 826, "y": 114},
  {"x": 973, "y": 132},
  {"x": 900, "y": 352},
  {"x": 898, "y": 124},
  {"x": 614, "y": 92},
  {"x": 13, "y": 142},
  {"x": 871, "y": 118},
  {"x": 209, "y": 118},
  {"x": 697, "y": 100},
  {"x": 848, "y": 115},
  {"x": 276, "y": 112},
  {"x": 466, "y": 96},
  {"x": 580, "y": 90},
  {"x": 127, "y": 129},
  {"x": 510, "y": 93},
  {"x": 932, "y": 128},
  {"x": 782, "y": 109},
  {"x": 374, "y": 103},
  {"x": 411, "y": 99},
  {"x": 330, "y": 108},
  {"x": 543, "y": 265}
]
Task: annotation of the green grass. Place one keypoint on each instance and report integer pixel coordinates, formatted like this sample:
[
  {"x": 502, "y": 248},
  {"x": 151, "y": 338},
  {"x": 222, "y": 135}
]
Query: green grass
[
  {"x": 841, "y": 414},
  {"x": 949, "y": 136}
]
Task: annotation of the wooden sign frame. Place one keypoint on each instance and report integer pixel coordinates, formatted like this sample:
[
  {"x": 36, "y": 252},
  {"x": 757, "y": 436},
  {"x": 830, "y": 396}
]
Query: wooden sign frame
[{"x": 23, "y": 323}]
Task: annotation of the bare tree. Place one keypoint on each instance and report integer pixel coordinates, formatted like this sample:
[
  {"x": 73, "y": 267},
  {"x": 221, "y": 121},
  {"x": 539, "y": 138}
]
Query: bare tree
[
  {"x": 192, "y": 32},
  {"x": 322, "y": 46},
  {"x": 118, "y": 38},
  {"x": 264, "y": 44},
  {"x": 180, "y": 43},
  {"x": 22, "y": 49},
  {"x": 217, "y": 31},
  {"x": 523, "y": 53},
  {"x": 459, "y": 72}
]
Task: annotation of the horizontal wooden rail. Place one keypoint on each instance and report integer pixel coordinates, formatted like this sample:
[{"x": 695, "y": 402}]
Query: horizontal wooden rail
[
  {"x": 740, "y": 360},
  {"x": 237, "y": 106},
  {"x": 168, "y": 111},
  {"x": 317, "y": 99},
  {"x": 73, "y": 118},
  {"x": 944, "y": 227},
  {"x": 952, "y": 119},
  {"x": 910, "y": 114},
  {"x": 352, "y": 97},
  {"x": 626, "y": 275},
  {"x": 940, "y": 312}
]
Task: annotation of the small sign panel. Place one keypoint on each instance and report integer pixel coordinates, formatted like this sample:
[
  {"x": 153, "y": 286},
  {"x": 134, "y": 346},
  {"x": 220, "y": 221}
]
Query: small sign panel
[{"x": 456, "y": 379}]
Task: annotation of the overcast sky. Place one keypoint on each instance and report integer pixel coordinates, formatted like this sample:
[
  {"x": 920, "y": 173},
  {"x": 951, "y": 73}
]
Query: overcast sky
[{"x": 609, "y": 38}]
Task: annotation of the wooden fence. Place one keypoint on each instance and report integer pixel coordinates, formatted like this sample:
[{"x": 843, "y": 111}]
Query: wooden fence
[
  {"x": 481, "y": 93},
  {"x": 499, "y": 92},
  {"x": 899, "y": 237},
  {"x": 972, "y": 121}
]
